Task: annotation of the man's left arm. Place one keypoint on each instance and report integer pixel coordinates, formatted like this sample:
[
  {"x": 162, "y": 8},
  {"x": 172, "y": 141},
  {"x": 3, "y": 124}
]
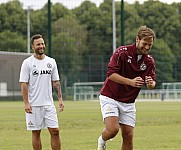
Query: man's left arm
[
  {"x": 150, "y": 79},
  {"x": 150, "y": 83},
  {"x": 57, "y": 88}
]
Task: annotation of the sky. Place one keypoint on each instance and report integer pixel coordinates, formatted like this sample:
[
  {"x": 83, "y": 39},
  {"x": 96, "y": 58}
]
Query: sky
[{"x": 38, "y": 4}]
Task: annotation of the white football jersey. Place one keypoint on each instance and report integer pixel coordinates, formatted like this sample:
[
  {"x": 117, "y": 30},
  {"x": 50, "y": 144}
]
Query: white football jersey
[{"x": 39, "y": 75}]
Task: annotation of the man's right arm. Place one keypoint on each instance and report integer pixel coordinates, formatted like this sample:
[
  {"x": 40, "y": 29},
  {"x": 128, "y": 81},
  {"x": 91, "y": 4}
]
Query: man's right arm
[
  {"x": 136, "y": 82},
  {"x": 24, "y": 91}
]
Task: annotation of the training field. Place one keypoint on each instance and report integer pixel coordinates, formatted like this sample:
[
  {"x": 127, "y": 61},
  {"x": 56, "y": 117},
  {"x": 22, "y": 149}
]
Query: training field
[{"x": 158, "y": 127}]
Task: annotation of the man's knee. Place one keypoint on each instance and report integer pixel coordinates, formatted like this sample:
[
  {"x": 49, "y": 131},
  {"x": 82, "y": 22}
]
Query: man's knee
[
  {"x": 128, "y": 136},
  {"x": 112, "y": 126},
  {"x": 54, "y": 131},
  {"x": 36, "y": 133},
  {"x": 112, "y": 131}
]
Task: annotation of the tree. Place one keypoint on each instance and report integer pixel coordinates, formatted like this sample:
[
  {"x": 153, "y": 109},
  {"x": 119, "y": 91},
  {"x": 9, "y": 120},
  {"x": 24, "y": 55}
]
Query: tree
[
  {"x": 90, "y": 16},
  {"x": 167, "y": 25},
  {"x": 164, "y": 59},
  {"x": 12, "y": 42},
  {"x": 10, "y": 14},
  {"x": 39, "y": 18},
  {"x": 39, "y": 22},
  {"x": 87, "y": 29},
  {"x": 69, "y": 45}
]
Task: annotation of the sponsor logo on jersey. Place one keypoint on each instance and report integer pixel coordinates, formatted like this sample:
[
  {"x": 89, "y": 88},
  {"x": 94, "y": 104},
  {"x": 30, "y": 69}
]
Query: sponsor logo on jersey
[
  {"x": 45, "y": 72},
  {"x": 129, "y": 59},
  {"x": 35, "y": 73}
]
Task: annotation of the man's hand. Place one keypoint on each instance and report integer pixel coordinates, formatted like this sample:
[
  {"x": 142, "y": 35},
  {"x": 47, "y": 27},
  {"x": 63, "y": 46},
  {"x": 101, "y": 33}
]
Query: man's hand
[
  {"x": 150, "y": 83},
  {"x": 137, "y": 82},
  {"x": 28, "y": 108},
  {"x": 60, "y": 105}
]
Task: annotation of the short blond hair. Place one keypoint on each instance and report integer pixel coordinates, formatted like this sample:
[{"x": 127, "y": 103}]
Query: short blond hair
[{"x": 145, "y": 32}]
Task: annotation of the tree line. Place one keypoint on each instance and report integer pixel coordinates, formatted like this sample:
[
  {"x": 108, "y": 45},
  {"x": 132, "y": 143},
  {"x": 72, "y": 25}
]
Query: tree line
[{"x": 82, "y": 38}]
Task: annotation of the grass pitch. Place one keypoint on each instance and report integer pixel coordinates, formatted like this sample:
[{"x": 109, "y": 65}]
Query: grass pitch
[{"x": 157, "y": 128}]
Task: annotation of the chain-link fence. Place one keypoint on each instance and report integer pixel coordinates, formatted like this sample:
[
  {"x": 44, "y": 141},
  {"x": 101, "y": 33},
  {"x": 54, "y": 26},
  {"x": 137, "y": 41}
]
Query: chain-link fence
[{"x": 81, "y": 39}]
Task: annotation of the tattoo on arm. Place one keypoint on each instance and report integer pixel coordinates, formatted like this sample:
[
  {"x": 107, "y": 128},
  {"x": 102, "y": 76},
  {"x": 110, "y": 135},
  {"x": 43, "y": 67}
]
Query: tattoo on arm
[{"x": 57, "y": 88}]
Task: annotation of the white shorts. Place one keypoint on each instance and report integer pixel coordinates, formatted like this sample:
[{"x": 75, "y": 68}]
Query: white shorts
[
  {"x": 126, "y": 112},
  {"x": 42, "y": 117}
]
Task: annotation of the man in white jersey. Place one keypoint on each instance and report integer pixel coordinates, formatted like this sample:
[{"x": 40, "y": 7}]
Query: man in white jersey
[{"x": 37, "y": 77}]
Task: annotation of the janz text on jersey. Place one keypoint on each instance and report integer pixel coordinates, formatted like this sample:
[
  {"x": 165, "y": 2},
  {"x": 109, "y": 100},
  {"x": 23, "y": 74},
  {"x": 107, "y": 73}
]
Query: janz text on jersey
[{"x": 45, "y": 72}]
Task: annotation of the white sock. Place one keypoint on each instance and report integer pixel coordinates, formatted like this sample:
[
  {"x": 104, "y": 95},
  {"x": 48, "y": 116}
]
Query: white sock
[{"x": 101, "y": 140}]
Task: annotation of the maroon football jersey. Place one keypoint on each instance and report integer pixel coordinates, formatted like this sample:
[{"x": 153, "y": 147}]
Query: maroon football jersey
[{"x": 126, "y": 62}]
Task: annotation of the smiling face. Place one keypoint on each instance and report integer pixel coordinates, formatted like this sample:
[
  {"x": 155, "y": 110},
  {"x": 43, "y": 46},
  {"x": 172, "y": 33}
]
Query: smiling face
[
  {"x": 38, "y": 46},
  {"x": 144, "y": 45},
  {"x": 144, "y": 40}
]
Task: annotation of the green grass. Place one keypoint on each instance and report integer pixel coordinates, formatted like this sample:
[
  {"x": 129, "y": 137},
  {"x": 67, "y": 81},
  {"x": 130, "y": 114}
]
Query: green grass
[{"x": 157, "y": 128}]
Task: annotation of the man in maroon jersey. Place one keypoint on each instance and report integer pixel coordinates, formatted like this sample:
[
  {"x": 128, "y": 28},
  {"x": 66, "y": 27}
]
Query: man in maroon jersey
[{"x": 130, "y": 67}]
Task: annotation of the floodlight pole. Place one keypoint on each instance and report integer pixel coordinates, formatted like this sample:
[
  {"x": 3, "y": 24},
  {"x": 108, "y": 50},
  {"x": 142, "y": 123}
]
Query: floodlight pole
[
  {"x": 28, "y": 29},
  {"x": 49, "y": 29},
  {"x": 114, "y": 25},
  {"x": 122, "y": 22}
]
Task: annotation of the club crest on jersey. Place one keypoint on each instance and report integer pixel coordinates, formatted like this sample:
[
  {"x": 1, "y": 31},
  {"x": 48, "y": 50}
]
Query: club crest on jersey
[
  {"x": 49, "y": 65},
  {"x": 143, "y": 66},
  {"x": 35, "y": 73}
]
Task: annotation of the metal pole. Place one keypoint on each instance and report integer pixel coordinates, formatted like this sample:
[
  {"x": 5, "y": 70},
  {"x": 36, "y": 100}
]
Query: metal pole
[
  {"x": 122, "y": 22},
  {"x": 114, "y": 26},
  {"x": 28, "y": 30},
  {"x": 49, "y": 29}
]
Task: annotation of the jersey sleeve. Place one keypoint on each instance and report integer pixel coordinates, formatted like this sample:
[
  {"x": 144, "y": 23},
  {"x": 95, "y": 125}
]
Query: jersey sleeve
[
  {"x": 55, "y": 75},
  {"x": 24, "y": 72},
  {"x": 115, "y": 62},
  {"x": 152, "y": 70}
]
